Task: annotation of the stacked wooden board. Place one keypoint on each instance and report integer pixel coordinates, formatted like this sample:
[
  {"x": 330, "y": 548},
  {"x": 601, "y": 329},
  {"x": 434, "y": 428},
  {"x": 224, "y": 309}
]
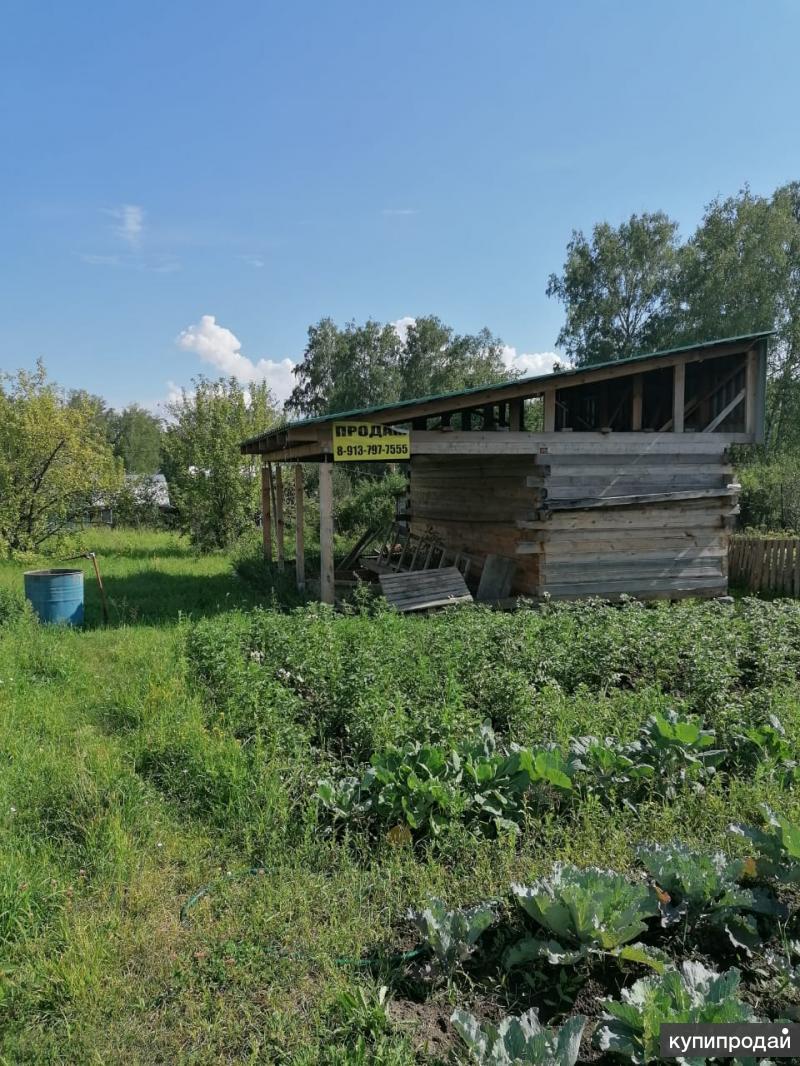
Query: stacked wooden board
[
  {"x": 648, "y": 516},
  {"x": 472, "y": 503}
]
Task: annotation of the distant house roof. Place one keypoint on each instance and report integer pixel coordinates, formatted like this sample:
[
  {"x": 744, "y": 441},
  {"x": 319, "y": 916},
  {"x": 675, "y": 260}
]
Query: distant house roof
[
  {"x": 405, "y": 407},
  {"x": 148, "y": 488}
]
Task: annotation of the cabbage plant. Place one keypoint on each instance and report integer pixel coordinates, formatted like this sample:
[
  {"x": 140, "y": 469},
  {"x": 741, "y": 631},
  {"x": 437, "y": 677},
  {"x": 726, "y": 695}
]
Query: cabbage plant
[
  {"x": 680, "y": 751},
  {"x": 451, "y": 934},
  {"x": 520, "y": 1040},
  {"x": 699, "y": 889},
  {"x": 766, "y": 748},
  {"x": 585, "y": 912},
  {"x": 778, "y": 846},
  {"x": 605, "y": 764},
  {"x": 692, "y": 995}
]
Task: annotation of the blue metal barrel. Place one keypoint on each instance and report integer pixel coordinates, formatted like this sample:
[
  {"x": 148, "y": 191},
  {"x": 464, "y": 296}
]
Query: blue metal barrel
[{"x": 56, "y": 595}]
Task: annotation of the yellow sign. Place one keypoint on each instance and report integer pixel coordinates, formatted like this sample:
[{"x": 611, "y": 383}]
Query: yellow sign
[{"x": 359, "y": 442}]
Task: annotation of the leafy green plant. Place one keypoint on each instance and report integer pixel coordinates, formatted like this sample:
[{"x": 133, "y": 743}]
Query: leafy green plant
[
  {"x": 344, "y": 800},
  {"x": 778, "y": 846},
  {"x": 701, "y": 889},
  {"x": 500, "y": 781},
  {"x": 605, "y": 765},
  {"x": 451, "y": 935},
  {"x": 362, "y": 1011},
  {"x": 587, "y": 912},
  {"x": 765, "y": 747},
  {"x": 680, "y": 750},
  {"x": 427, "y": 786},
  {"x": 630, "y": 1027},
  {"x": 521, "y": 1039}
]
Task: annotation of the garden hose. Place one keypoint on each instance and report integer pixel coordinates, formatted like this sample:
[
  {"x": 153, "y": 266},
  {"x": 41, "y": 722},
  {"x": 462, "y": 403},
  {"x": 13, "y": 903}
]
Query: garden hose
[{"x": 343, "y": 960}]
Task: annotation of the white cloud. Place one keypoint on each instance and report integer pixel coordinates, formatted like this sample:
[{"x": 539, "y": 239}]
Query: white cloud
[
  {"x": 129, "y": 219},
  {"x": 222, "y": 349},
  {"x": 401, "y": 326},
  {"x": 397, "y": 212},
  {"x": 255, "y": 261},
  {"x": 528, "y": 364}
]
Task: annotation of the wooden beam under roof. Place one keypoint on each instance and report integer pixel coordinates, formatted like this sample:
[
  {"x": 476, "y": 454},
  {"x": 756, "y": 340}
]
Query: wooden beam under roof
[{"x": 475, "y": 399}]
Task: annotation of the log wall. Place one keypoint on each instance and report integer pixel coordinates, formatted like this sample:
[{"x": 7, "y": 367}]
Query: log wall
[{"x": 649, "y": 521}]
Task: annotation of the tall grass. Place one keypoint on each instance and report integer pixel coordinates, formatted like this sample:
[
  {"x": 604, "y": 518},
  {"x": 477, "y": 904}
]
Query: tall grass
[{"x": 142, "y": 761}]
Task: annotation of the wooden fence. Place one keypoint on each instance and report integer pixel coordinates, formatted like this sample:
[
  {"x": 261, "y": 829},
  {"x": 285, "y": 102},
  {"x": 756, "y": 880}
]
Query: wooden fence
[{"x": 765, "y": 564}]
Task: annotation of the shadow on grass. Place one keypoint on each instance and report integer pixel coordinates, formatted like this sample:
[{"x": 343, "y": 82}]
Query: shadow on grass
[
  {"x": 152, "y": 597},
  {"x": 169, "y": 551}
]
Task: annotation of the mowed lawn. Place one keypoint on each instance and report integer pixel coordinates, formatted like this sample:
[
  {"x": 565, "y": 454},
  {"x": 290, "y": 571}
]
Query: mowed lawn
[{"x": 145, "y": 762}]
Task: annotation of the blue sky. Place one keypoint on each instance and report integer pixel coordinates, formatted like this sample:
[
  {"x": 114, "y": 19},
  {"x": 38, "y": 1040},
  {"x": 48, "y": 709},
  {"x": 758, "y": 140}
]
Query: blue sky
[{"x": 229, "y": 173}]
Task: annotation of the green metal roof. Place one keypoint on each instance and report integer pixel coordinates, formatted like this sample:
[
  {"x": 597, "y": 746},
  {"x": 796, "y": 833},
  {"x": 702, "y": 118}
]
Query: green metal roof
[{"x": 533, "y": 379}]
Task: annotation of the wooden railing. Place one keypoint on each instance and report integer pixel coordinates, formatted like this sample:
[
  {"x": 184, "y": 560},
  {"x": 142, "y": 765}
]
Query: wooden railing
[{"x": 765, "y": 564}]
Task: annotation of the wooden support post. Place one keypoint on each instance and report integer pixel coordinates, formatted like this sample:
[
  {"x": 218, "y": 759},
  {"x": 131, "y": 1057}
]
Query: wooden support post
[
  {"x": 466, "y": 420},
  {"x": 550, "y": 411},
  {"x": 279, "y": 525},
  {"x": 266, "y": 519},
  {"x": 751, "y": 392},
  {"x": 637, "y": 403},
  {"x": 326, "y": 579},
  {"x": 488, "y": 416},
  {"x": 299, "y": 540},
  {"x": 516, "y": 416},
  {"x": 678, "y": 397}
]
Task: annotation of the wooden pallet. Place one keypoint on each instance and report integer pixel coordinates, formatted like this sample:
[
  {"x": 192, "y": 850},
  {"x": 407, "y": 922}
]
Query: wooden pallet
[
  {"x": 420, "y": 590},
  {"x": 403, "y": 551}
]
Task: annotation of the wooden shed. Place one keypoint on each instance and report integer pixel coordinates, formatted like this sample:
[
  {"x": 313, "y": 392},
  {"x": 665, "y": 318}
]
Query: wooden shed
[{"x": 606, "y": 480}]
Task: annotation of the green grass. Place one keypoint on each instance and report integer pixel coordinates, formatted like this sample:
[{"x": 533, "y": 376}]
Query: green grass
[{"x": 141, "y": 761}]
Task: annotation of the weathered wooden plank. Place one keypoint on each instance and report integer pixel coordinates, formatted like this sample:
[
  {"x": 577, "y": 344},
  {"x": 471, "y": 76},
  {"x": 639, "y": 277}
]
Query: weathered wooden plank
[
  {"x": 419, "y": 590},
  {"x": 633, "y": 458},
  {"x": 506, "y": 443},
  {"x": 712, "y": 425},
  {"x": 327, "y": 587},
  {"x": 634, "y": 586},
  {"x": 678, "y": 396},
  {"x": 576, "y": 467},
  {"x": 266, "y": 515},
  {"x": 497, "y": 578},
  {"x": 570, "y": 553},
  {"x": 613, "y": 519},
  {"x": 637, "y": 403},
  {"x": 299, "y": 529},
  {"x": 280, "y": 529},
  {"x": 633, "y": 571},
  {"x": 627, "y": 501},
  {"x": 581, "y": 487}
]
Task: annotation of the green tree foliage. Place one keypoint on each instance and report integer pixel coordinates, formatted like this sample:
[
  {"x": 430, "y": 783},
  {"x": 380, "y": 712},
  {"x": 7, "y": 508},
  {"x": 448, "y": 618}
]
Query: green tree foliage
[
  {"x": 137, "y": 439},
  {"x": 740, "y": 272},
  {"x": 434, "y": 359},
  {"x": 346, "y": 368},
  {"x": 133, "y": 433},
  {"x": 54, "y": 459},
  {"x": 215, "y": 489},
  {"x": 616, "y": 288},
  {"x": 359, "y": 366}
]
